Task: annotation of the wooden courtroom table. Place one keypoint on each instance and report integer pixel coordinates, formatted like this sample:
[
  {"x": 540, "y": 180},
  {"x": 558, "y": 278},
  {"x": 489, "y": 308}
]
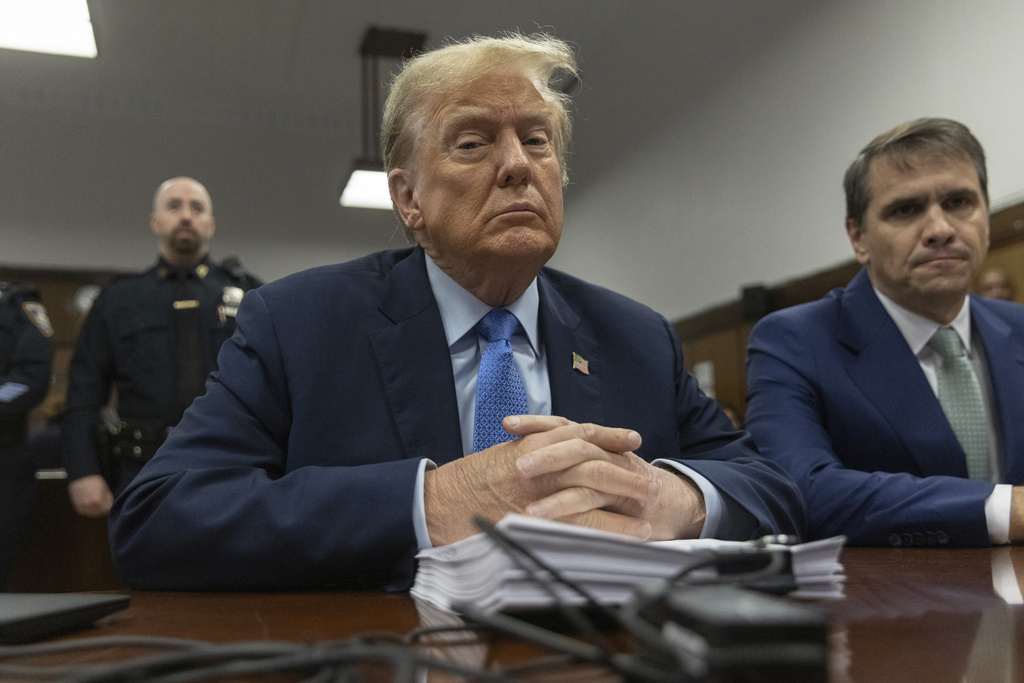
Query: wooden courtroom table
[{"x": 908, "y": 615}]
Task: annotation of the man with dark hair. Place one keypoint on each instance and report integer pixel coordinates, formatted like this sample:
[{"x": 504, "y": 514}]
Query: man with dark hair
[
  {"x": 153, "y": 337},
  {"x": 366, "y": 410},
  {"x": 895, "y": 401}
]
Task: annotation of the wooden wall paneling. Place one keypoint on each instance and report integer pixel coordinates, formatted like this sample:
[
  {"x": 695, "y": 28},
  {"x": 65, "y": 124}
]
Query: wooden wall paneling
[
  {"x": 62, "y": 551},
  {"x": 706, "y": 335},
  {"x": 1010, "y": 259},
  {"x": 720, "y": 349}
]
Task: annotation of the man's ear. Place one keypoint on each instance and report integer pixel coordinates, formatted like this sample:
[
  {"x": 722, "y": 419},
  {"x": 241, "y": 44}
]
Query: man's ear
[
  {"x": 856, "y": 235},
  {"x": 403, "y": 194},
  {"x": 152, "y": 222}
]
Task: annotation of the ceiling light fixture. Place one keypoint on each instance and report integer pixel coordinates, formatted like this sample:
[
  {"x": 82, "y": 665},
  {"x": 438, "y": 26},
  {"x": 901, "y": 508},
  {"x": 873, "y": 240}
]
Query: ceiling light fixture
[
  {"x": 60, "y": 27},
  {"x": 367, "y": 186}
]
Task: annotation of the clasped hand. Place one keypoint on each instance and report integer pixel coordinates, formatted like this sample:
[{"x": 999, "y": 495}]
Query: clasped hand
[{"x": 582, "y": 474}]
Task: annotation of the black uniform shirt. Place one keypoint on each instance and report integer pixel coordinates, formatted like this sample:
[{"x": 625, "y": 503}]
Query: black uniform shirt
[
  {"x": 26, "y": 353},
  {"x": 128, "y": 342}
]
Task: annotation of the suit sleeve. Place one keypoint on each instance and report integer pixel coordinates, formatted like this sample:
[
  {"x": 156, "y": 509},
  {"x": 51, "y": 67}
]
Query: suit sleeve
[
  {"x": 219, "y": 508},
  {"x": 758, "y": 496},
  {"x": 795, "y": 405}
]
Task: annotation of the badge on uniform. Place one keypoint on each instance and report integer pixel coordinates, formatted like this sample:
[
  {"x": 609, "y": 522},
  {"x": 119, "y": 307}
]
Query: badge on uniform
[
  {"x": 37, "y": 314},
  {"x": 231, "y": 298}
]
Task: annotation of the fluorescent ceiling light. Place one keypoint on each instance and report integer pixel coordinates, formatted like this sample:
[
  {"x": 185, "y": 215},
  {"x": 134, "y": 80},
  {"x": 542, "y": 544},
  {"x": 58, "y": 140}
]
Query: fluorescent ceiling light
[
  {"x": 60, "y": 27},
  {"x": 367, "y": 190}
]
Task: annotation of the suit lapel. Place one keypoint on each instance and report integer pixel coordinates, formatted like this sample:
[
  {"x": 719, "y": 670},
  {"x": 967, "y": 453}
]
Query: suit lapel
[
  {"x": 415, "y": 365},
  {"x": 1004, "y": 356},
  {"x": 574, "y": 395},
  {"x": 882, "y": 366}
]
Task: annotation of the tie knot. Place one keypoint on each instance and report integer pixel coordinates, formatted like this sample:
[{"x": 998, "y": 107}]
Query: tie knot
[
  {"x": 498, "y": 324},
  {"x": 946, "y": 343}
]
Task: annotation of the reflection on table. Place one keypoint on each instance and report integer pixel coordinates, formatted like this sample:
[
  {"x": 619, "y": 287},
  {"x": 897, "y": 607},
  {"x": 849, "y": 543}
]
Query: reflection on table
[{"x": 930, "y": 615}]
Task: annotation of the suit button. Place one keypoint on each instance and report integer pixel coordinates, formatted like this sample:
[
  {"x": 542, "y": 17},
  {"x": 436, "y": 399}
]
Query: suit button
[
  {"x": 918, "y": 538},
  {"x": 908, "y": 540},
  {"x": 942, "y": 537},
  {"x": 894, "y": 540},
  {"x": 929, "y": 538}
]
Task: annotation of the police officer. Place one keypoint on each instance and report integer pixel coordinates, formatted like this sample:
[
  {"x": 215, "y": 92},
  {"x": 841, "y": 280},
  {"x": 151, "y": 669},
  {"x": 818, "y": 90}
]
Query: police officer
[
  {"x": 154, "y": 337},
  {"x": 26, "y": 355}
]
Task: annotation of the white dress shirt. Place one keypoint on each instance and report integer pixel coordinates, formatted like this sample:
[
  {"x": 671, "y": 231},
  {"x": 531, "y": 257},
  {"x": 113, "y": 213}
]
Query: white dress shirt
[
  {"x": 460, "y": 311},
  {"x": 917, "y": 331}
]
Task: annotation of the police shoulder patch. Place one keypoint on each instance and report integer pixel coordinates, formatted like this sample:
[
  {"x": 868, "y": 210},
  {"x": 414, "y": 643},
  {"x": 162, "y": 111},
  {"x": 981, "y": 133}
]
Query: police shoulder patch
[{"x": 37, "y": 314}]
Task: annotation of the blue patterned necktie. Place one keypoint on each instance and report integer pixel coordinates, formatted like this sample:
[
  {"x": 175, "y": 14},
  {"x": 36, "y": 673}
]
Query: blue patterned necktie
[
  {"x": 499, "y": 388},
  {"x": 961, "y": 401}
]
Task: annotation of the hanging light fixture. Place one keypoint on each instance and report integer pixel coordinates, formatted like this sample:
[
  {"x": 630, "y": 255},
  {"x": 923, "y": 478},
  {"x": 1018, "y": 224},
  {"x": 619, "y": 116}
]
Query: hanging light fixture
[
  {"x": 60, "y": 27},
  {"x": 367, "y": 186}
]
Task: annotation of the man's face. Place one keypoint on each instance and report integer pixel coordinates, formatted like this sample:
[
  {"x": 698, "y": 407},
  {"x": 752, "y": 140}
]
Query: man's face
[
  {"x": 925, "y": 233},
  {"x": 182, "y": 221},
  {"x": 995, "y": 284},
  {"x": 483, "y": 190}
]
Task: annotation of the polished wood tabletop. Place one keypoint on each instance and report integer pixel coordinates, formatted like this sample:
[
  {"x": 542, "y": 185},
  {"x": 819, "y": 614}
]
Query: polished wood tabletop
[{"x": 908, "y": 615}]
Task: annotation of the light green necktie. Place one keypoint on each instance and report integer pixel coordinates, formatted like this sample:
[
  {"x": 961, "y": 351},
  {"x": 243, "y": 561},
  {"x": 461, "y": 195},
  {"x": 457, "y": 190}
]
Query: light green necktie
[{"x": 960, "y": 397}]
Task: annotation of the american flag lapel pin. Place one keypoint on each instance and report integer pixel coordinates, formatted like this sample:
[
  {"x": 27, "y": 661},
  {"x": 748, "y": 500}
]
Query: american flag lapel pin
[{"x": 580, "y": 363}]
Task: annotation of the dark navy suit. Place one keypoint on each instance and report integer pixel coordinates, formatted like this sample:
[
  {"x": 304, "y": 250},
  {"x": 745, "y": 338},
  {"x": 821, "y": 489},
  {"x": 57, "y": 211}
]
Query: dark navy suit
[
  {"x": 297, "y": 467},
  {"x": 838, "y": 399}
]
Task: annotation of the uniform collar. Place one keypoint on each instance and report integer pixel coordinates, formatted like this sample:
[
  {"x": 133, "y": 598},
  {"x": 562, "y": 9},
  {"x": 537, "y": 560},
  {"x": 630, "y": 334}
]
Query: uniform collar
[{"x": 165, "y": 270}]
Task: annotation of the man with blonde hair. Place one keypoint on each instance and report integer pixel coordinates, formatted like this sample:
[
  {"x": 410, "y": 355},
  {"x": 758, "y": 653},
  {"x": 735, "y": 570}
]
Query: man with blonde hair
[{"x": 370, "y": 409}]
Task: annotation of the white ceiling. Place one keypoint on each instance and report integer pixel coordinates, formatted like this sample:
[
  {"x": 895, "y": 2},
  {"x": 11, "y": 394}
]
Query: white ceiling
[{"x": 259, "y": 99}]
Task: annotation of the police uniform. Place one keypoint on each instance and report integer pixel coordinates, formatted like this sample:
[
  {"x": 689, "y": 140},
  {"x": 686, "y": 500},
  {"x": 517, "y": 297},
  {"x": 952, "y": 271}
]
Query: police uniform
[
  {"x": 131, "y": 341},
  {"x": 26, "y": 355}
]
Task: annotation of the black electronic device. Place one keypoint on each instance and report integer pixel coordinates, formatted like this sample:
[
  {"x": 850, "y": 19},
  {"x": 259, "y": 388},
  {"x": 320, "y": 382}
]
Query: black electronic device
[
  {"x": 727, "y": 634},
  {"x": 27, "y": 617}
]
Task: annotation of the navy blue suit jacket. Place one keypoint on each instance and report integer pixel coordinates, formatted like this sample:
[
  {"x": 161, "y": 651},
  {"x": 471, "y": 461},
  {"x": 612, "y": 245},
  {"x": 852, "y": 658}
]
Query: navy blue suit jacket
[
  {"x": 838, "y": 399},
  {"x": 297, "y": 467}
]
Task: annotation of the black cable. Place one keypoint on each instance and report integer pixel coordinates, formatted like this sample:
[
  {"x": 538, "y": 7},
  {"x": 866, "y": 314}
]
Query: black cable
[
  {"x": 516, "y": 552},
  {"x": 189, "y": 661},
  {"x": 79, "y": 645},
  {"x": 641, "y": 631},
  {"x": 776, "y": 564},
  {"x": 422, "y": 632},
  {"x": 246, "y": 659}
]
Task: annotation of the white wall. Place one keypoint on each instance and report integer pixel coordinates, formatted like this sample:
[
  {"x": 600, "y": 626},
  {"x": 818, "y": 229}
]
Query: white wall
[
  {"x": 689, "y": 183},
  {"x": 744, "y": 185}
]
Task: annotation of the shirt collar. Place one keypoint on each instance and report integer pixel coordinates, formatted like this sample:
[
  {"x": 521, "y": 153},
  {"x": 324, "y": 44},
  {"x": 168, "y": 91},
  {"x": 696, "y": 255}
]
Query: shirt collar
[
  {"x": 461, "y": 311},
  {"x": 918, "y": 330}
]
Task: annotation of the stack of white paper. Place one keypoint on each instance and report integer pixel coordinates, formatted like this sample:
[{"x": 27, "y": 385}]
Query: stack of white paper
[{"x": 609, "y": 566}]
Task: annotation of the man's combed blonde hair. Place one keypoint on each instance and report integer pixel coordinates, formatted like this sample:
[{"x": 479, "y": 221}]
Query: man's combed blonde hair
[{"x": 436, "y": 76}]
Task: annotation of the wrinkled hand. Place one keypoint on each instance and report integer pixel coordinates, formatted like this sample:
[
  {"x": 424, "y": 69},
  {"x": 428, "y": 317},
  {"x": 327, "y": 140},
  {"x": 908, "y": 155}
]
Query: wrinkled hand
[
  {"x": 1017, "y": 515},
  {"x": 582, "y": 474},
  {"x": 90, "y": 496}
]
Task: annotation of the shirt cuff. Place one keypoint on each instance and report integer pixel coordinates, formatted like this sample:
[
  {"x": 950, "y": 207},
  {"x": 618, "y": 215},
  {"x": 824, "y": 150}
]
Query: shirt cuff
[
  {"x": 997, "y": 514},
  {"x": 1004, "y": 577},
  {"x": 419, "y": 510},
  {"x": 714, "y": 509}
]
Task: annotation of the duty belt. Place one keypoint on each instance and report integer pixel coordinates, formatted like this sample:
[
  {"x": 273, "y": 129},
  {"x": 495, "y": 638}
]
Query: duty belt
[{"x": 135, "y": 440}]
